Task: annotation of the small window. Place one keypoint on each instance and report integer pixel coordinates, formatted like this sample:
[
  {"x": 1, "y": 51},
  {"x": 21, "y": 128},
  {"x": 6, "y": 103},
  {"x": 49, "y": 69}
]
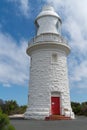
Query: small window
[
  {"x": 58, "y": 26},
  {"x": 30, "y": 62},
  {"x": 54, "y": 57},
  {"x": 37, "y": 26}
]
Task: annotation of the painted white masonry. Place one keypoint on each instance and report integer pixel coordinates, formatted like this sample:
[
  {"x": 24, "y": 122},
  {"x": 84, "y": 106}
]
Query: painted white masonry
[{"x": 48, "y": 76}]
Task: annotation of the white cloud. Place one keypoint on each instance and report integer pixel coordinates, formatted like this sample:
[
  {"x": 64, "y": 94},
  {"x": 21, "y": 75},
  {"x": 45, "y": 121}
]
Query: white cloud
[
  {"x": 80, "y": 72},
  {"x": 13, "y": 61},
  {"x": 6, "y": 85},
  {"x": 23, "y": 6}
]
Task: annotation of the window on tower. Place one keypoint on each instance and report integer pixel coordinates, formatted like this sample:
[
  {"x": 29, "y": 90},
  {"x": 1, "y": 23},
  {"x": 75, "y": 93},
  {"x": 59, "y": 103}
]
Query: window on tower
[
  {"x": 37, "y": 26},
  {"x": 54, "y": 57},
  {"x": 58, "y": 26},
  {"x": 31, "y": 62}
]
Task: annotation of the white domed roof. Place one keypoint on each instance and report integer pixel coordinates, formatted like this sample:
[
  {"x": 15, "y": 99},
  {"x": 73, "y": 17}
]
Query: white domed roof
[{"x": 48, "y": 10}]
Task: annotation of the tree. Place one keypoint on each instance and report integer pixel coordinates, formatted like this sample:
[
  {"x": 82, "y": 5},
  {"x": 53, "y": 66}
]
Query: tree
[
  {"x": 21, "y": 109},
  {"x": 1, "y": 102},
  {"x": 76, "y": 107},
  {"x": 9, "y": 107},
  {"x": 84, "y": 108},
  {"x": 4, "y": 122}
]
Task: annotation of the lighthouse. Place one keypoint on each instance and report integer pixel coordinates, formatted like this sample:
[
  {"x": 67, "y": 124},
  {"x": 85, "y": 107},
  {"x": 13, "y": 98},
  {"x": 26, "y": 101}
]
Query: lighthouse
[{"x": 48, "y": 84}]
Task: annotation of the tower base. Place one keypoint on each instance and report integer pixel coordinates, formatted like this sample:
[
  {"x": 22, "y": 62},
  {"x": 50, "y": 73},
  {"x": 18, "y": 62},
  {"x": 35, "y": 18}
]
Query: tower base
[
  {"x": 43, "y": 113},
  {"x": 38, "y": 114}
]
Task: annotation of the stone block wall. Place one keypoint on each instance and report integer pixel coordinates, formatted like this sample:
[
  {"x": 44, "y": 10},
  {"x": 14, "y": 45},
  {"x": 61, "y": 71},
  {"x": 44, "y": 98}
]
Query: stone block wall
[{"x": 47, "y": 76}]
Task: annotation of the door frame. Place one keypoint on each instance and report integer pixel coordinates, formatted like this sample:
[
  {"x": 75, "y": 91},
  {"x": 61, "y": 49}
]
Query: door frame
[{"x": 55, "y": 94}]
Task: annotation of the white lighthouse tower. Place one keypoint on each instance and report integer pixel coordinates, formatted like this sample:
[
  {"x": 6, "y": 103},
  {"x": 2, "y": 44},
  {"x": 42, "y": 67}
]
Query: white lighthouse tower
[{"x": 48, "y": 84}]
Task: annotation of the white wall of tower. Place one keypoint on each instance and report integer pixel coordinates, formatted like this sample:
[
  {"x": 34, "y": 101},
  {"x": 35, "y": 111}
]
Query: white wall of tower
[{"x": 47, "y": 76}]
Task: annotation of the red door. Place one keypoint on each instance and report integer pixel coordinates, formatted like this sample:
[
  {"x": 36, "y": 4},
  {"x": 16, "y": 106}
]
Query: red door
[{"x": 55, "y": 105}]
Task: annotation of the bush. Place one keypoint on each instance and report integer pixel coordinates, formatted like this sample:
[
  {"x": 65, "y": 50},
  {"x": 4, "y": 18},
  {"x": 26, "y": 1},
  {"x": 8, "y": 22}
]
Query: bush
[
  {"x": 11, "y": 107},
  {"x": 4, "y": 122},
  {"x": 84, "y": 108},
  {"x": 76, "y": 107}
]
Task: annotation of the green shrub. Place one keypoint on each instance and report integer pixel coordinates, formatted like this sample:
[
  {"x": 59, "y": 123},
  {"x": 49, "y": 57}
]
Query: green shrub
[{"x": 4, "y": 122}]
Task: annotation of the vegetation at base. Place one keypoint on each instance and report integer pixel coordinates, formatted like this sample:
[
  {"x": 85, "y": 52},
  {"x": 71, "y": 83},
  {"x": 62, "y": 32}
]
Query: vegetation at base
[
  {"x": 4, "y": 122},
  {"x": 79, "y": 108},
  {"x": 11, "y": 107}
]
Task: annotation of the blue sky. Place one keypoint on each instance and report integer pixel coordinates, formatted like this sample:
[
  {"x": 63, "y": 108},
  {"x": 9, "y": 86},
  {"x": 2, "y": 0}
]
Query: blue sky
[{"x": 17, "y": 28}]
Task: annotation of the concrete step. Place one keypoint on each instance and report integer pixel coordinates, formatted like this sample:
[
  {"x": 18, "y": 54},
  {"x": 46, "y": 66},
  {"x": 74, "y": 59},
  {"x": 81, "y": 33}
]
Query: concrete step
[{"x": 57, "y": 117}]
